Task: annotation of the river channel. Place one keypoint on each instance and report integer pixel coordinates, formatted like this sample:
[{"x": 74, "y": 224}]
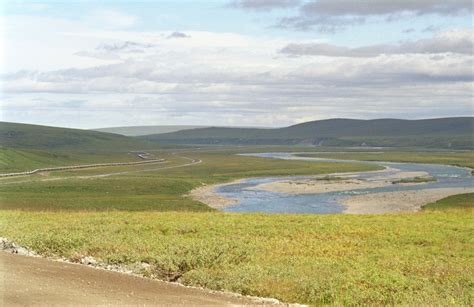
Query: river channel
[{"x": 251, "y": 199}]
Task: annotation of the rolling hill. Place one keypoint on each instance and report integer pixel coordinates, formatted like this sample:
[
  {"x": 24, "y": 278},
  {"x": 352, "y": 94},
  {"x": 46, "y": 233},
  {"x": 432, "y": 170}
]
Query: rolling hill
[
  {"x": 145, "y": 130},
  {"x": 13, "y": 135},
  {"x": 456, "y": 133}
]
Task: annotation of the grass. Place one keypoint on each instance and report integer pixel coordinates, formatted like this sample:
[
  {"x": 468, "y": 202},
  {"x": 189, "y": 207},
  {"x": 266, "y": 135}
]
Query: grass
[
  {"x": 465, "y": 201},
  {"x": 13, "y": 135},
  {"x": 423, "y": 258},
  {"x": 415, "y": 180},
  {"x": 329, "y": 178},
  {"x": 447, "y": 133},
  {"x": 161, "y": 190},
  {"x": 459, "y": 158},
  {"x": 18, "y": 160}
]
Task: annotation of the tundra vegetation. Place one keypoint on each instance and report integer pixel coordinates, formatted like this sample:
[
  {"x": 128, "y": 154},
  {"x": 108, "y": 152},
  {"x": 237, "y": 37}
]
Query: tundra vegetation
[
  {"x": 415, "y": 180},
  {"x": 144, "y": 216},
  {"x": 457, "y": 158},
  {"x": 316, "y": 259},
  {"x": 448, "y": 133},
  {"x": 162, "y": 190},
  {"x": 461, "y": 201}
]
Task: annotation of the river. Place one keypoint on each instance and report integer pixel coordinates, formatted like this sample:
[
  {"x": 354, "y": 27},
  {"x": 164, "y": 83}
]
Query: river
[{"x": 256, "y": 200}]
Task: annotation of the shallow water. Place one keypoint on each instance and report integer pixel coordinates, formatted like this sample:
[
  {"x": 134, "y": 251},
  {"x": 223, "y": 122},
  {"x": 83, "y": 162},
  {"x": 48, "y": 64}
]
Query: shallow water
[{"x": 270, "y": 202}]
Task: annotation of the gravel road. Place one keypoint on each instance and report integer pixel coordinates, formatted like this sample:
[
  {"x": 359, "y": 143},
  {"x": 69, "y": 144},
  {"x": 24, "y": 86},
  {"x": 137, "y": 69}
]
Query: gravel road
[{"x": 27, "y": 281}]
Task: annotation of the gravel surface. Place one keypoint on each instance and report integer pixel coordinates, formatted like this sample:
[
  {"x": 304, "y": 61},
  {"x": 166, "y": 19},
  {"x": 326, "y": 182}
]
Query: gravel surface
[{"x": 30, "y": 281}]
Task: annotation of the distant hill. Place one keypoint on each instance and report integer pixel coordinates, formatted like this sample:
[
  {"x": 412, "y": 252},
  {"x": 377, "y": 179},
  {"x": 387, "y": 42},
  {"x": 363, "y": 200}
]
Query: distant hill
[
  {"x": 44, "y": 137},
  {"x": 437, "y": 133},
  {"x": 145, "y": 130}
]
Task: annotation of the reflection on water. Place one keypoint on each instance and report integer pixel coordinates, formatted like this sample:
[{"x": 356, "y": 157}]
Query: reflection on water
[{"x": 252, "y": 200}]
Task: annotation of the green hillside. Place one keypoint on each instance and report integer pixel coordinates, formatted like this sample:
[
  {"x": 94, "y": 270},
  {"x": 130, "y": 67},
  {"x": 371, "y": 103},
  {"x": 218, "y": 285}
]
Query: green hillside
[
  {"x": 145, "y": 130},
  {"x": 20, "y": 160},
  {"x": 436, "y": 133},
  {"x": 13, "y": 135}
]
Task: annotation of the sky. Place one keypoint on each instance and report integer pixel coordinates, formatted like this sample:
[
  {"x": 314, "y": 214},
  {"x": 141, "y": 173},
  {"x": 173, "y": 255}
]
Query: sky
[{"x": 269, "y": 63}]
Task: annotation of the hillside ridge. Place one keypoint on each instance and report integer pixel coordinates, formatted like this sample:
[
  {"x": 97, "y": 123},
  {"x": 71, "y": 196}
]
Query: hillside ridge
[
  {"x": 15, "y": 135},
  {"x": 451, "y": 132}
]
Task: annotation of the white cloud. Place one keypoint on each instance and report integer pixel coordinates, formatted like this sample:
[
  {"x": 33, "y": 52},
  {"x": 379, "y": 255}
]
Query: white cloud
[
  {"x": 178, "y": 35},
  {"x": 453, "y": 41},
  {"x": 334, "y": 15},
  {"x": 263, "y": 5},
  {"x": 52, "y": 44},
  {"x": 111, "y": 77},
  {"x": 112, "y": 19}
]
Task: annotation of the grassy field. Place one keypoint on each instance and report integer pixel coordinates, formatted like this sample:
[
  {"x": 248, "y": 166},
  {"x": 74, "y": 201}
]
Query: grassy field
[
  {"x": 414, "y": 259},
  {"x": 17, "y": 160},
  {"x": 161, "y": 190},
  {"x": 458, "y": 158},
  {"x": 463, "y": 201},
  {"x": 419, "y": 259}
]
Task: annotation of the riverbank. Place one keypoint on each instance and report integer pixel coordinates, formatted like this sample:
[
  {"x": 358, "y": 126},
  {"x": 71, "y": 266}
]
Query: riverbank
[
  {"x": 207, "y": 195},
  {"x": 317, "y": 184},
  {"x": 399, "y": 201},
  {"x": 338, "y": 182}
]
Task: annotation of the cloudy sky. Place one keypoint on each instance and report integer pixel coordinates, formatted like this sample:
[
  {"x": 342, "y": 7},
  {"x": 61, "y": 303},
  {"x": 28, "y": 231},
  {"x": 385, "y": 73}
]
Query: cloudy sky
[{"x": 90, "y": 64}]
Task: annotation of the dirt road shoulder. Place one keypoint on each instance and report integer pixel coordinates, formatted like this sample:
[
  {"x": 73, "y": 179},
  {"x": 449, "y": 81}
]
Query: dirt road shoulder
[{"x": 37, "y": 281}]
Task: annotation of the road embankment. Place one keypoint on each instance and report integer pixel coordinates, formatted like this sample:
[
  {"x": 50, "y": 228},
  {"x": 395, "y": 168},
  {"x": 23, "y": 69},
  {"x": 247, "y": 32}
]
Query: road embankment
[
  {"x": 72, "y": 167},
  {"x": 38, "y": 281}
]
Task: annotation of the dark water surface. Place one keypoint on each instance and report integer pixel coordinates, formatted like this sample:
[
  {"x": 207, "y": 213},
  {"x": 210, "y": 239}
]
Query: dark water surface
[{"x": 324, "y": 203}]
